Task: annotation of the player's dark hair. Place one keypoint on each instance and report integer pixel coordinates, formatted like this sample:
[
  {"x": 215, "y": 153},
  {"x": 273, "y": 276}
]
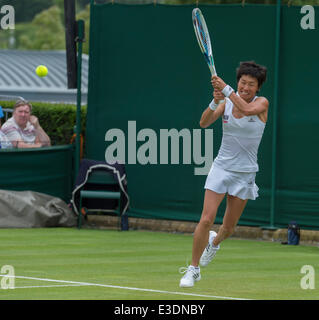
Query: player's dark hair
[{"x": 252, "y": 69}]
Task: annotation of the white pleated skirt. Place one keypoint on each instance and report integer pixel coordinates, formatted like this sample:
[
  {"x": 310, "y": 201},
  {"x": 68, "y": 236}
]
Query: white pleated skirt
[{"x": 238, "y": 184}]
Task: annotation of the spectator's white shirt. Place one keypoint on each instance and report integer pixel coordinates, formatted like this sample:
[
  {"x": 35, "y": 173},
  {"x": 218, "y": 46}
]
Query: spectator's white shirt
[
  {"x": 4, "y": 141},
  {"x": 14, "y": 133}
]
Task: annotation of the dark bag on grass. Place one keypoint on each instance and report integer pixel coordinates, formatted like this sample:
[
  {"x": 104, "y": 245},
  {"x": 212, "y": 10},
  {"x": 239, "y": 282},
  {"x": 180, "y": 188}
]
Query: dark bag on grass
[{"x": 293, "y": 233}]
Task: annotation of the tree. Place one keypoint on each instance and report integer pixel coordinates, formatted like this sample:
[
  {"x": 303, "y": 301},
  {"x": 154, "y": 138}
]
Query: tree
[
  {"x": 82, "y": 4},
  {"x": 46, "y": 32}
]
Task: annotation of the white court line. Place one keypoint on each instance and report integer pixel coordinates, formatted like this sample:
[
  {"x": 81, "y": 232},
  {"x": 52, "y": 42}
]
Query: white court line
[
  {"x": 121, "y": 287},
  {"x": 52, "y": 286}
]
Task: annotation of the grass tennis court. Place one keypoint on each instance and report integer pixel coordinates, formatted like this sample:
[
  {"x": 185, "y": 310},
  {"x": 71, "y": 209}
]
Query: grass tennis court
[{"x": 113, "y": 265}]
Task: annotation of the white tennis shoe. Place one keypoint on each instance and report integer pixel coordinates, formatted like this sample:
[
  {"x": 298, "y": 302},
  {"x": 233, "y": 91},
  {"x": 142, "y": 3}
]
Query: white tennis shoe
[
  {"x": 191, "y": 275},
  {"x": 210, "y": 250}
]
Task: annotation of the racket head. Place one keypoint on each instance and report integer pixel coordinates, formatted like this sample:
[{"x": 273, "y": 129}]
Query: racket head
[{"x": 203, "y": 38}]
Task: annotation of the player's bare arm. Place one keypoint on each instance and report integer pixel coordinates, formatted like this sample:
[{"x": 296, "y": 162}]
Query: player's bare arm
[
  {"x": 209, "y": 116},
  {"x": 258, "y": 107}
]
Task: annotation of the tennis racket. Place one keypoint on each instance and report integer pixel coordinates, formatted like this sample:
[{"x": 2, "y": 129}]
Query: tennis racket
[{"x": 203, "y": 39}]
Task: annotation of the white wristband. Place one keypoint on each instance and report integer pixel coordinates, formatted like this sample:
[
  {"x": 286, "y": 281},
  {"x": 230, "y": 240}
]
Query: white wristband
[
  {"x": 213, "y": 105},
  {"x": 227, "y": 91}
]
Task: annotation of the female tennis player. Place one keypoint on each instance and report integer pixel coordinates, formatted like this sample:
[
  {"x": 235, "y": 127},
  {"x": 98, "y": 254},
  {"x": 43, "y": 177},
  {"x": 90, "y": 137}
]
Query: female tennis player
[{"x": 233, "y": 171}]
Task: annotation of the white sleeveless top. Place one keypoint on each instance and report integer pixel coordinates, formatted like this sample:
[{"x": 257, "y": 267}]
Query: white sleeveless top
[{"x": 240, "y": 142}]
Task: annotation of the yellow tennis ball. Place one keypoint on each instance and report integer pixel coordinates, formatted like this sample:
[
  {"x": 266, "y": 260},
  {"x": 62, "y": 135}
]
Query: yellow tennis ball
[{"x": 41, "y": 71}]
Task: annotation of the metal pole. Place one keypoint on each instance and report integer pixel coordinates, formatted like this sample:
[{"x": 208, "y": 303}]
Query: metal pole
[
  {"x": 79, "y": 39},
  {"x": 275, "y": 117}
]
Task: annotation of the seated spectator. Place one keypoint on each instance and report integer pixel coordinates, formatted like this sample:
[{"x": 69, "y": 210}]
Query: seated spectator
[
  {"x": 4, "y": 141},
  {"x": 23, "y": 129}
]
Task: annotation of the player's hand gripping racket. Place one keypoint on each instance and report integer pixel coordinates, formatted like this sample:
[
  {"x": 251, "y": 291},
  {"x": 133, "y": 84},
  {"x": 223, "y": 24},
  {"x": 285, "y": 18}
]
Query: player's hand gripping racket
[{"x": 203, "y": 39}]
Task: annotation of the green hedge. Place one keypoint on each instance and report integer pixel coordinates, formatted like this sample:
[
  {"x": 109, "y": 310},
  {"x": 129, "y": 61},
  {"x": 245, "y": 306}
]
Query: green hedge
[{"x": 58, "y": 120}]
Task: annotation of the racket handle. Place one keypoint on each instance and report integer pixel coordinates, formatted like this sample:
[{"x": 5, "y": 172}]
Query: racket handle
[
  {"x": 214, "y": 73},
  {"x": 212, "y": 70}
]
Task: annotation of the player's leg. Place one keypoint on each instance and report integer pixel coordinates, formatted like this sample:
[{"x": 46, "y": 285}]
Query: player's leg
[
  {"x": 212, "y": 201},
  {"x": 234, "y": 209}
]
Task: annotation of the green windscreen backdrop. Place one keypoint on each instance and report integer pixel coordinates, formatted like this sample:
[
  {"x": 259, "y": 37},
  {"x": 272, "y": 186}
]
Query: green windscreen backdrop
[
  {"x": 47, "y": 170},
  {"x": 148, "y": 77}
]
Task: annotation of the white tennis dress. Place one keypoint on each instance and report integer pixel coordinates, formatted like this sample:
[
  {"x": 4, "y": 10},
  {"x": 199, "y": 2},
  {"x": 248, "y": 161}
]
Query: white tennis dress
[{"x": 234, "y": 169}]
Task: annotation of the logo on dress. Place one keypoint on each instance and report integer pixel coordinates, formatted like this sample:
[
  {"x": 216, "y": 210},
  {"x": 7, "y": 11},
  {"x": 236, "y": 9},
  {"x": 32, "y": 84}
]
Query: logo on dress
[
  {"x": 225, "y": 118},
  {"x": 251, "y": 120}
]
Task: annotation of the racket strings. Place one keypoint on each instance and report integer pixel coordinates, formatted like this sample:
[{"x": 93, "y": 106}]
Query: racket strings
[
  {"x": 203, "y": 38},
  {"x": 203, "y": 34}
]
